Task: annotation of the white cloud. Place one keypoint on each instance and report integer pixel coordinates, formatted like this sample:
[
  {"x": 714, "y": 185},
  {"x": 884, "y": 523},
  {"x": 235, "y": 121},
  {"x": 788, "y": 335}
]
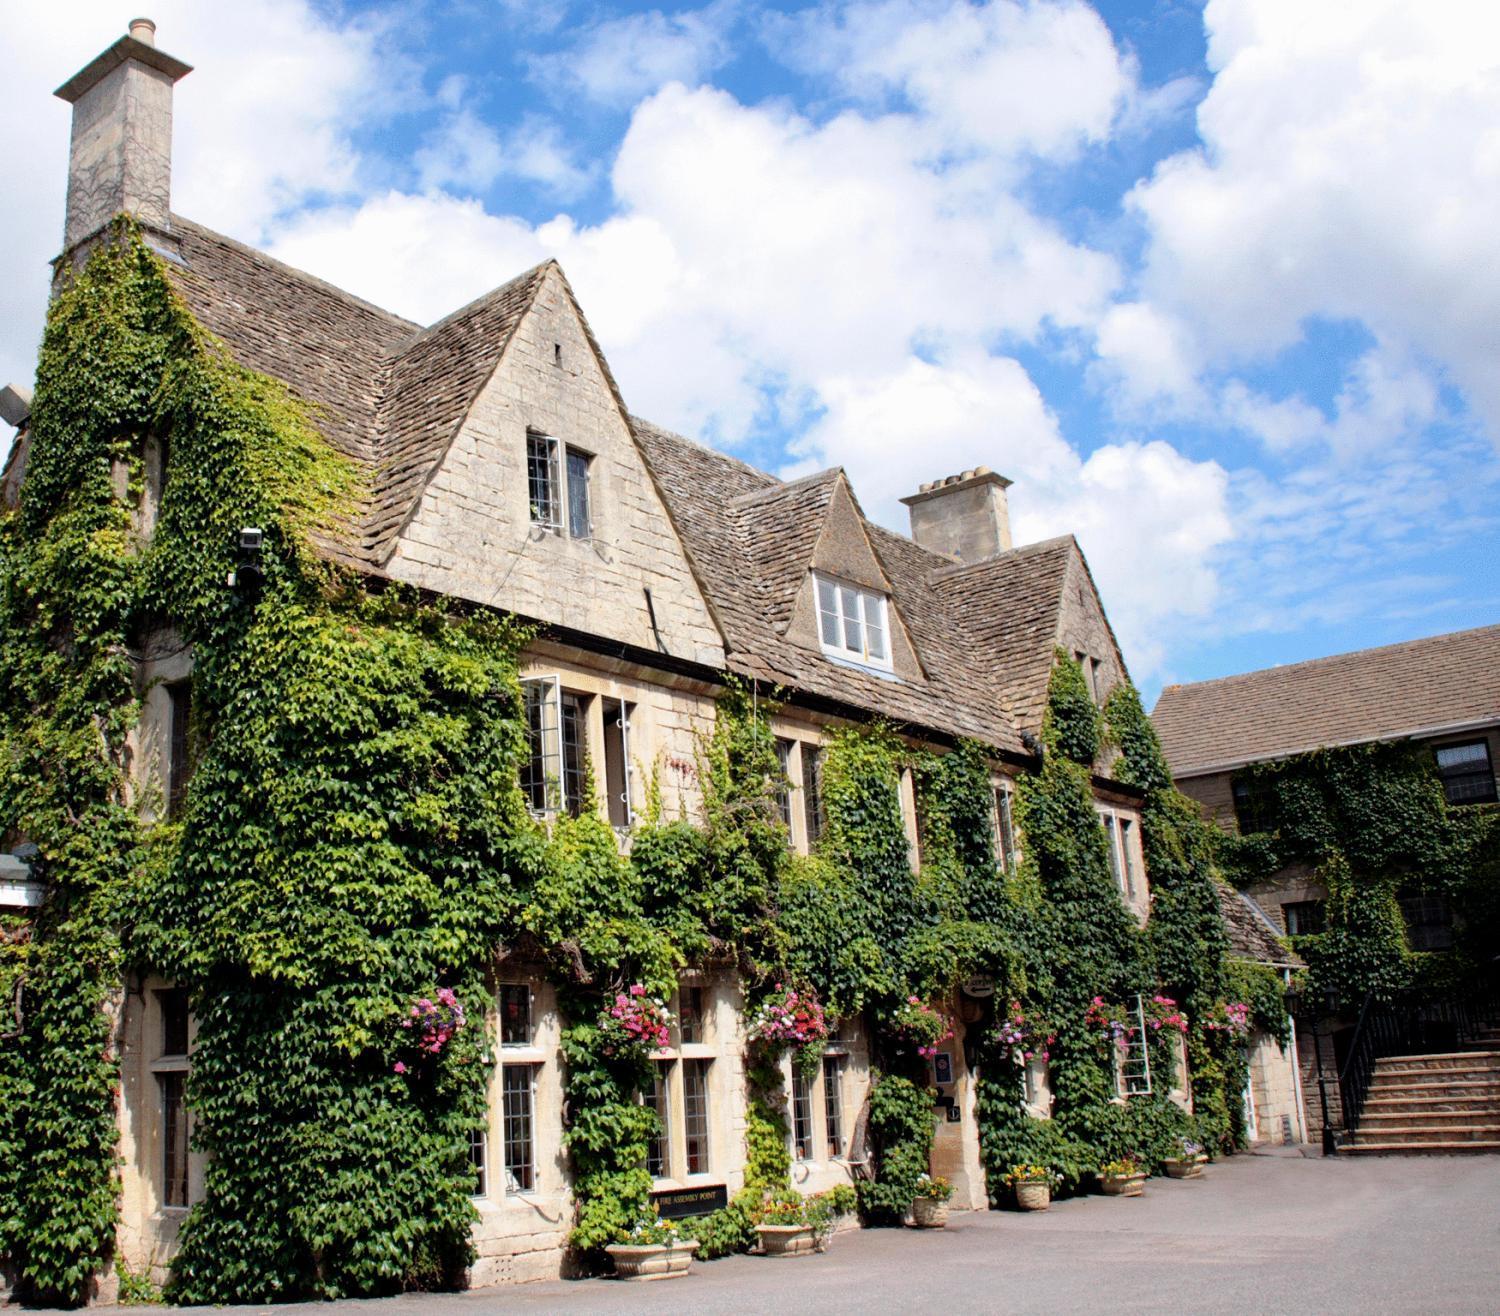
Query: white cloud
[
  {"x": 618, "y": 60},
  {"x": 466, "y": 154},
  {"x": 1041, "y": 76},
  {"x": 1350, "y": 170}
]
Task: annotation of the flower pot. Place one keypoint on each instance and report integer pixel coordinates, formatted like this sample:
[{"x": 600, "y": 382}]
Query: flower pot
[
  {"x": 928, "y": 1213},
  {"x": 787, "y": 1240},
  {"x": 1123, "y": 1185},
  {"x": 1033, "y": 1196},
  {"x": 644, "y": 1261},
  {"x": 1185, "y": 1167}
]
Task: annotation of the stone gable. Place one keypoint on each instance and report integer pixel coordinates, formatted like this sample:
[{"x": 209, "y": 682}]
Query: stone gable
[{"x": 471, "y": 534}]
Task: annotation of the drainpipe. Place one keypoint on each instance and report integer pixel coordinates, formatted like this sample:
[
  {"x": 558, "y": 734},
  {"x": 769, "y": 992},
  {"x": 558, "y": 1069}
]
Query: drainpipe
[{"x": 1286, "y": 978}]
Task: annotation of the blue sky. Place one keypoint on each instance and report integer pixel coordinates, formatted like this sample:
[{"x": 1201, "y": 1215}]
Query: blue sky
[{"x": 1212, "y": 283}]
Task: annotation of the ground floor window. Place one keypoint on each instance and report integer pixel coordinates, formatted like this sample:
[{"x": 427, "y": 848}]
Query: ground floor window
[
  {"x": 695, "y": 1114},
  {"x": 803, "y": 1147},
  {"x": 174, "y": 1143},
  {"x": 518, "y": 1123},
  {"x": 658, "y": 1150},
  {"x": 833, "y": 1105},
  {"x": 479, "y": 1162}
]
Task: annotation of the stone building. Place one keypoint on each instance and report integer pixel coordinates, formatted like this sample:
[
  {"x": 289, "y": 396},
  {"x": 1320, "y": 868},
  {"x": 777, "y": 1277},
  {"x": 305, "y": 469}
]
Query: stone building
[
  {"x": 1443, "y": 692},
  {"x": 507, "y": 472}
]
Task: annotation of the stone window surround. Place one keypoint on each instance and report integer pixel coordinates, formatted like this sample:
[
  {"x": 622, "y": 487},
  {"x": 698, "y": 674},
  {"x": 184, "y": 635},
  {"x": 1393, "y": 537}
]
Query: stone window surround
[
  {"x": 596, "y": 691},
  {"x": 717, "y": 1033},
  {"x": 1004, "y": 786},
  {"x": 817, "y": 1099},
  {"x": 556, "y": 516},
  {"x": 540, "y": 1057},
  {"x": 152, "y": 992},
  {"x": 1132, "y": 858}
]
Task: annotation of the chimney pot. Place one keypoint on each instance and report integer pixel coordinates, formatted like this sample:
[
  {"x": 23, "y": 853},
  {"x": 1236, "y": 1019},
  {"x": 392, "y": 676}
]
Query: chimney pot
[
  {"x": 143, "y": 30},
  {"x": 965, "y": 517}
]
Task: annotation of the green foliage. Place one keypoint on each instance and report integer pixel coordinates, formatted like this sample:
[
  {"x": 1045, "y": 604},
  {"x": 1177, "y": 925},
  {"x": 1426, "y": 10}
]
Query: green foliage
[
  {"x": 901, "y": 1133},
  {"x": 1071, "y": 726},
  {"x": 1372, "y": 823}
]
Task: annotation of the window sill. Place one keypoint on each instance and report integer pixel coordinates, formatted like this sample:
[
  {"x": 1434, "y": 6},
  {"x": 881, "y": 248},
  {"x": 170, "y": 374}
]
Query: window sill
[
  {"x": 841, "y": 659},
  {"x": 513, "y": 1054}
]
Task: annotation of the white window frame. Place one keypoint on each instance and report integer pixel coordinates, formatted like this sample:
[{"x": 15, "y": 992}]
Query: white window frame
[
  {"x": 865, "y": 602},
  {"x": 1007, "y": 844},
  {"x": 556, "y": 522},
  {"x": 1123, "y": 1079},
  {"x": 512, "y": 1186},
  {"x": 530, "y": 1043},
  {"x": 479, "y": 1141},
  {"x": 552, "y": 789}
]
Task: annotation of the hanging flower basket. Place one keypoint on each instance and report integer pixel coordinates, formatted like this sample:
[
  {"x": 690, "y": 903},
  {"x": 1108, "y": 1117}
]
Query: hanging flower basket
[
  {"x": 921, "y": 1027},
  {"x": 431, "y": 1023},
  {"x": 635, "y": 1024}
]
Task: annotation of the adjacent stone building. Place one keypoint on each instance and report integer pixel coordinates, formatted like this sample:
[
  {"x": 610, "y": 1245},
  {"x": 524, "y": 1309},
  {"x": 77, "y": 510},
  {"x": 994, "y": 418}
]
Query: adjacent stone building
[{"x": 507, "y": 472}]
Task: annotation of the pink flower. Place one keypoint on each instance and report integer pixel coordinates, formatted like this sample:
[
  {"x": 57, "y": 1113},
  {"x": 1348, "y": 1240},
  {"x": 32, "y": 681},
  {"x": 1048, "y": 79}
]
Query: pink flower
[
  {"x": 400, "y": 1068},
  {"x": 637, "y": 990}
]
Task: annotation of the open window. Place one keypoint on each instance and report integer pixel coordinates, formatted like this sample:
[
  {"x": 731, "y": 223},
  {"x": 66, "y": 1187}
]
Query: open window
[
  {"x": 554, "y": 772},
  {"x": 618, "y": 785}
]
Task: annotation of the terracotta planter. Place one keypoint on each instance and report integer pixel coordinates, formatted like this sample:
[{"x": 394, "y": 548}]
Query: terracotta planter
[
  {"x": 929, "y": 1214},
  {"x": 787, "y": 1240},
  {"x": 1033, "y": 1196},
  {"x": 1185, "y": 1167},
  {"x": 1126, "y": 1185},
  {"x": 653, "y": 1260}
]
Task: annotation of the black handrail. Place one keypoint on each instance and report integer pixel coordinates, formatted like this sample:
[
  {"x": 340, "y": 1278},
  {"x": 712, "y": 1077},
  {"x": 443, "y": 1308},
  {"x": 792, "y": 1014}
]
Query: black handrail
[{"x": 1405, "y": 1027}]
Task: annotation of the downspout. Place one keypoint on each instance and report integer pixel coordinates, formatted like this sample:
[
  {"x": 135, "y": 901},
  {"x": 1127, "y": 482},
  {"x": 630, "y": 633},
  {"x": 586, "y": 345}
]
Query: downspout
[{"x": 1286, "y": 978}]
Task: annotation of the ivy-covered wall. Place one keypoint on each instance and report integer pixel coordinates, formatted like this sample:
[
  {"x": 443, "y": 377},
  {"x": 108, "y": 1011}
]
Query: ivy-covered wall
[
  {"x": 1371, "y": 822},
  {"x": 355, "y": 845}
]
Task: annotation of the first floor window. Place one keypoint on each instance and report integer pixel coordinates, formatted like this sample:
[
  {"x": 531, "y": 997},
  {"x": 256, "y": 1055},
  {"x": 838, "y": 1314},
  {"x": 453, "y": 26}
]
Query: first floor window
[
  {"x": 1467, "y": 775},
  {"x": 617, "y": 768},
  {"x": 695, "y": 1114},
  {"x": 690, "y": 1014},
  {"x": 1005, "y": 829},
  {"x": 1111, "y": 832},
  {"x": 517, "y": 1115},
  {"x": 833, "y": 1104},
  {"x": 1429, "y": 921},
  {"x": 574, "y": 750},
  {"x": 1304, "y": 918},
  {"x": 784, "y": 786},
  {"x": 657, "y": 1149},
  {"x": 852, "y": 623},
  {"x": 812, "y": 792},
  {"x": 179, "y": 745},
  {"x": 802, "y": 1117},
  {"x": 479, "y": 1161},
  {"x": 554, "y": 770},
  {"x": 543, "y": 481},
  {"x": 174, "y": 1138},
  {"x": 1127, "y": 854}
]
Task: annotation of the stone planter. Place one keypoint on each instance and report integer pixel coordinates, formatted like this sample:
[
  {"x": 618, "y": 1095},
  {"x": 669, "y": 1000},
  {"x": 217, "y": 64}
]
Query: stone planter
[
  {"x": 926, "y": 1213},
  {"x": 1033, "y": 1196},
  {"x": 1185, "y": 1167},
  {"x": 1125, "y": 1185},
  {"x": 652, "y": 1260},
  {"x": 787, "y": 1240}
]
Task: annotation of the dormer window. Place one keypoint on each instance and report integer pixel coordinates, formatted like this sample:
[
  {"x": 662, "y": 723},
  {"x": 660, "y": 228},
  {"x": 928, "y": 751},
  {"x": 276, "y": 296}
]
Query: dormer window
[{"x": 853, "y": 623}]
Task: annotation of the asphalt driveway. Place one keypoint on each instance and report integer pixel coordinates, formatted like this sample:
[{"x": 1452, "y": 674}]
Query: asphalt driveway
[{"x": 1262, "y": 1233}]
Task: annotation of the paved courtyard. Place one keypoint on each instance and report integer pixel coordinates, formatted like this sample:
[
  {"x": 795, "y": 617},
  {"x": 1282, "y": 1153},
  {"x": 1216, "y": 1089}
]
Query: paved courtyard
[{"x": 1264, "y": 1233}]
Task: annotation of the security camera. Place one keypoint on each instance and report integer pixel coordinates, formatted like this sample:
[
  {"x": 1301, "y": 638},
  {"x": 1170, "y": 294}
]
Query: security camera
[{"x": 251, "y": 537}]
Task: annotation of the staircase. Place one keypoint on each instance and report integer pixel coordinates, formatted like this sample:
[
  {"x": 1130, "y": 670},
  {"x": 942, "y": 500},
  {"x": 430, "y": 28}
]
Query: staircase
[{"x": 1433, "y": 1104}]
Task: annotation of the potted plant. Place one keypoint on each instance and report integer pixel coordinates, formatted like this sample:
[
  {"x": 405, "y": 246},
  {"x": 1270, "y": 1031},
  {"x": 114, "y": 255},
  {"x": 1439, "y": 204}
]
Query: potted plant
[
  {"x": 929, "y": 1206},
  {"x": 784, "y": 1228},
  {"x": 1122, "y": 1178},
  {"x": 1033, "y": 1185},
  {"x": 1189, "y": 1161},
  {"x": 653, "y": 1249}
]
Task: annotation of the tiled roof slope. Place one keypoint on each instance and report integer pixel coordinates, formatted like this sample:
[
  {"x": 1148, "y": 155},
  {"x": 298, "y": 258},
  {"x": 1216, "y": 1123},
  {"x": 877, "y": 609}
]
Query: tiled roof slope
[
  {"x": 1387, "y": 693},
  {"x": 706, "y": 493},
  {"x": 1012, "y": 604},
  {"x": 385, "y": 391},
  {"x": 1251, "y": 936},
  {"x": 392, "y": 395}
]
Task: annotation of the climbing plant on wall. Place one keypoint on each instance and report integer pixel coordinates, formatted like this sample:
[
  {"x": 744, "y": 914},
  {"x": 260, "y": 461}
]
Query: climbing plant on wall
[{"x": 1371, "y": 822}]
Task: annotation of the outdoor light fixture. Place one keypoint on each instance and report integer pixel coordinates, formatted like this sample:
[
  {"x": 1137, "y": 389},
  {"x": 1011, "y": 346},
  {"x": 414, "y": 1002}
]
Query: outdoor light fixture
[
  {"x": 246, "y": 576},
  {"x": 21, "y": 877}
]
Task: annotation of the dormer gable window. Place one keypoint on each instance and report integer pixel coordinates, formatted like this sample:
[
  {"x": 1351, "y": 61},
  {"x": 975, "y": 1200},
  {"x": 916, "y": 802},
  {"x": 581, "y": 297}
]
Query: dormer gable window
[{"x": 853, "y": 623}]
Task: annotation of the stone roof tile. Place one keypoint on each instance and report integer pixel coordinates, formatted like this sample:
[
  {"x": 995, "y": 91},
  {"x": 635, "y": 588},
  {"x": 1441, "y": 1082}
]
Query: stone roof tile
[{"x": 1388, "y": 693}]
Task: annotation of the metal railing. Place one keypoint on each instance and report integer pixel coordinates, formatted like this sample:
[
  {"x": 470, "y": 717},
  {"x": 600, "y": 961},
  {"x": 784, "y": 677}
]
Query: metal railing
[{"x": 1405, "y": 1027}]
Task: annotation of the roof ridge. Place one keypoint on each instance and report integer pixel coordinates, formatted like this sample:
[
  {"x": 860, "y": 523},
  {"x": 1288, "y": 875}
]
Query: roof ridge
[
  {"x": 676, "y": 437},
  {"x": 500, "y": 289},
  {"x": 260, "y": 257},
  {"x": 1331, "y": 658},
  {"x": 787, "y": 486}
]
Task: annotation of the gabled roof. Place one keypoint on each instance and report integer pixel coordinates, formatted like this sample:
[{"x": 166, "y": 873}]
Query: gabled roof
[
  {"x": 1013, "y": 605},
  {"x": 1421, "y": 687},
  {"x": 393, "y": 396},
  {"x": 1251, "y": 934},
  {"x": 730, "y": 516}
]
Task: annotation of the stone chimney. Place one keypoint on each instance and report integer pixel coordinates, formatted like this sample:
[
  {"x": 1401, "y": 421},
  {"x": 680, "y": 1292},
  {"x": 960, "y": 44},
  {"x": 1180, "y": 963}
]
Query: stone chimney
[
  {"x": 965, "y": 517},
  {"x": 121, "y": 154}
]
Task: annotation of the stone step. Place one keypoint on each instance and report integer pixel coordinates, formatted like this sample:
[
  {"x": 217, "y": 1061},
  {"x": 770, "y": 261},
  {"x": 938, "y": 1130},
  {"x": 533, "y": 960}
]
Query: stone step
[
  {"x": 1441, "y": 1060},
  {"x": 1462, "y": 1086},
  {"x": 1404, "y": 1128},
  {"x": 1434, "y": 1148},
  {"x": 1484, "y": 1101},
  {"x": 1438, "y": 1074}
]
